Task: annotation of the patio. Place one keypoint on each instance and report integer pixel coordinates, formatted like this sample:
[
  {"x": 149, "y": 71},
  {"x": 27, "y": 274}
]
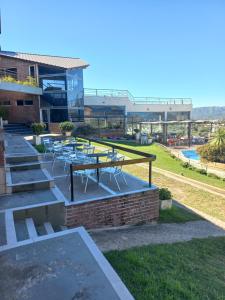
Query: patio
[
  {"x": 98, "y": 192},
  {"x": 101, "y": 184}
]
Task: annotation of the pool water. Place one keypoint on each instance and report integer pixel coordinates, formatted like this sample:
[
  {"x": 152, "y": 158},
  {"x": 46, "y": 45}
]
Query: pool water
[{"x": 191, "y": 154}]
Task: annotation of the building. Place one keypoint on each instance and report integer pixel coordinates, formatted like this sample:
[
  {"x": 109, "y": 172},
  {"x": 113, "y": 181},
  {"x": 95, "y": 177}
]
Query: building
[
  {"x": 99, "y": 102},
  {"x": 44, "y": 88}
]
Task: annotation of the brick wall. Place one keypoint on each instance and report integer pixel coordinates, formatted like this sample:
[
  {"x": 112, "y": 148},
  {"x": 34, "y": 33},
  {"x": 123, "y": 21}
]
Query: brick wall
[
  {"x": 21, "y": 114},
  {"x": 22, "y": 66},
  {"x": 134, "y": 208},
  {"x": 54, "y": 128}
]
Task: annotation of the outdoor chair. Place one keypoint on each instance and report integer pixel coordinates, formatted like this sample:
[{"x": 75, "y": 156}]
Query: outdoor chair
[
  {"x": 85, "y": 173},
  {"x": 114, "y": 172},
  {"x": 88, "y": 149}
]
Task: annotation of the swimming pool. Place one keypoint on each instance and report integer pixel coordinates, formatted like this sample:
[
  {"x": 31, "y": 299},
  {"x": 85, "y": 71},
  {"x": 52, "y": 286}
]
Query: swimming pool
[{"x": 191, "y": 154}]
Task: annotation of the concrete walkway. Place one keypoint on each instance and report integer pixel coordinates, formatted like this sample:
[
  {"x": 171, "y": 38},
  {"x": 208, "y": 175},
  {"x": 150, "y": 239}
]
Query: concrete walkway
[{"x": 128, "y": 237}]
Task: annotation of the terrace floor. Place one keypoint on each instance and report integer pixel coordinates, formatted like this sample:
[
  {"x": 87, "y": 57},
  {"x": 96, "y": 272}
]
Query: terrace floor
[
  {"x": 66, "y": 266},
  {"x": 105, "y": 188}
]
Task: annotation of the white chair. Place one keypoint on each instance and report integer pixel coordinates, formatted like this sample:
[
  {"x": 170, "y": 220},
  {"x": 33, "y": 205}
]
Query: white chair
[
  {"x": 115, "y": 171},
  {"x": 85, "y": 173}
]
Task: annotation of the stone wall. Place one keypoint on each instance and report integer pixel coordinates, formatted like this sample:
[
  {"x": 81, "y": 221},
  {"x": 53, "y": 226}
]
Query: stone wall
[{"x": 135, "y": 208}]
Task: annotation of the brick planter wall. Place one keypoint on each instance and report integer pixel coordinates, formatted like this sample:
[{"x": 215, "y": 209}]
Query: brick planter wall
[{"x": 133, "y": 208}]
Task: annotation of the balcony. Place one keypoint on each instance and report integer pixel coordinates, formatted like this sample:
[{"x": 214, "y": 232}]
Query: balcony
[{"x": 9, "y": 83}]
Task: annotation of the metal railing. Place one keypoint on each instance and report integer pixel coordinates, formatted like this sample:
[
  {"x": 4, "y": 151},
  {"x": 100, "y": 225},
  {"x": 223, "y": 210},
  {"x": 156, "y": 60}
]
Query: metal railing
[
  {"x": 145, "y": 157},
  {"x": 12, "y": 77},
  {"x": 136, "y": 100}
]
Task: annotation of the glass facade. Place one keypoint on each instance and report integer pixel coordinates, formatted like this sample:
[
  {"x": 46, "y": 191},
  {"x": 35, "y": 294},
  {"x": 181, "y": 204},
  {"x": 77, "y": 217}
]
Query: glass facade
[
  {"x": 147, "y": 116},
  {"x": 75, "y": 94},
  {"x": 178, "y": 116},
  {"x": 101, "y": 110},
  {"x": 62, "y": 89}
]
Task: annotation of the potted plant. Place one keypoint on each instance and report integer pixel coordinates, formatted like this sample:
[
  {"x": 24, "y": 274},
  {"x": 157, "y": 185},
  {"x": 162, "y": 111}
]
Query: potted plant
[
  {"x": 66, "y": 128},
  {"x": 4, "y": 113},
  {"x": 137, "y": 134},
  {"x": 150, "y": 139},
  {"x": 38, "y": 128},
  {"x": 165, "y": 198}
]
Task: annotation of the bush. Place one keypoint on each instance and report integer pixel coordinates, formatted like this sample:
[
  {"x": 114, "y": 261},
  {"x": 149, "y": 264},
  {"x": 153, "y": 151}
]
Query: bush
[
  {"x": 185, "y": 165},
  {"x": 38, "y": 128},
  {"x": 136, "y": 130},
  {"x": 164, "y": 194},
  {"x": 84, "y": 130},
  {"x": 66, "y": 126},
  {"x": 202, "y": 171},
  {"x": 4, "y": 112},
  {"x": 40, "y": 148}
]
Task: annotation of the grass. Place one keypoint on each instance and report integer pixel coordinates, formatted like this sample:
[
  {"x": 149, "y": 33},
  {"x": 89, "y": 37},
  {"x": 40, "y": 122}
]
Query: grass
[
  {"x": 166, "y": 162},
  {"x": 177, "y": 215},
  {"x": 186, "y": 194},
  {"x": 193, "y": 270}
]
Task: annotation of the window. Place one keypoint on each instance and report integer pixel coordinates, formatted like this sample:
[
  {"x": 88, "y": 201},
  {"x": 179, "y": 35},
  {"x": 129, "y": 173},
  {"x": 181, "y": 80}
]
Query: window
[
  {"x": 32, "y": 71},
  {"x": 19, "y": 102},
  {"x": 28, "y": 102}
]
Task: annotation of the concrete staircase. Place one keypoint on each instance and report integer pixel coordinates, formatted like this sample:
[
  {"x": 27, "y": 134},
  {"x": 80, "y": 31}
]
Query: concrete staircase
[
  {"x": 17, "y": 128},
  {"x": 14, "y": 231}
]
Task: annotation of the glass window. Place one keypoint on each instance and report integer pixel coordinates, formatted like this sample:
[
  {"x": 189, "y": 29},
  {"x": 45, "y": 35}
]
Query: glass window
[
  {"x": 32, "y": 71},
  {"x": 28, "y": 102},
  {"x": 58, "y": 115},
  {"x": 19, "y": 102}
]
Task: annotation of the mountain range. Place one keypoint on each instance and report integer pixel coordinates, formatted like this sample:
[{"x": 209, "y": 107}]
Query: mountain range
[{"x": 208, "y": 113}]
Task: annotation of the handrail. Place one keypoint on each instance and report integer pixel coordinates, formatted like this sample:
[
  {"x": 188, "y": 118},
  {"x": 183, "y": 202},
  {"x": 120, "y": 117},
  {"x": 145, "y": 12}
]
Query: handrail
[
  {"x": 135, "y": 100},
  {"x": 146, "y": 157}
]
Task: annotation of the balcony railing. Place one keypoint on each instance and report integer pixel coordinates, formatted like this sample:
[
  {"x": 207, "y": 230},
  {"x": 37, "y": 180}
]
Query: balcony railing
[
  {"x": 136, "y": 100},
  {"x": 12, "y": 77}
]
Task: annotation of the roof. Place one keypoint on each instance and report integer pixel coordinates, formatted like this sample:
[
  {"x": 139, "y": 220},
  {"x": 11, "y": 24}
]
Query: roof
[{"x": 58, "y": 61}]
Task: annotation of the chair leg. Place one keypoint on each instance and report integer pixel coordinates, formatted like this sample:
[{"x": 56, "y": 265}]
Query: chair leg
[
  {"x": 117, "y": 183},
  {"x": 124, "y": 178},
  {"x": 85, "y": 189}
]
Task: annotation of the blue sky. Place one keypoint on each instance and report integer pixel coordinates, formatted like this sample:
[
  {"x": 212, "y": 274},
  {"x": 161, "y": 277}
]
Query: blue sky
[{"x": 167, "y": 48}]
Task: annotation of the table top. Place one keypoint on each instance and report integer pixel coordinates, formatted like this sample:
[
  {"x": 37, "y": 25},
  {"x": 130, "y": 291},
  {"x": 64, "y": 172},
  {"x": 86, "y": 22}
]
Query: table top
[
  {"x": 97, "y": 154},
  {"x": 73, "y": 145}
]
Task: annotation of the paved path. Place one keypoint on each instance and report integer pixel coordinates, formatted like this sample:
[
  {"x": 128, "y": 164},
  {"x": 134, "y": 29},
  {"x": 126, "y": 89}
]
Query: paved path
[{"x": 128, "y": 237}]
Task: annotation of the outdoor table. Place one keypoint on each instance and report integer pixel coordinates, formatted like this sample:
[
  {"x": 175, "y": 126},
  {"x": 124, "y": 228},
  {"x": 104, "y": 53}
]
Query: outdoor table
[
  {"x": 97, "y": 155},
  {"x": 74, "y": 145}
]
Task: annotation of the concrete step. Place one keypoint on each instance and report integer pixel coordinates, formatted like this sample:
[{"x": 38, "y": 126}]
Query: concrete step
[
  {"x": 3, "y": 240},
  {"x": 23, "y": 166},
  {"x": 28, "y": 180},
  {"x": 31, "y": 228},
  {"x": 41, "y": 230},
  {"x": 21, "y": 230},
  {"x": 16, "y": 159},
  {"x": 48, "y": 227},
  {"x": 10, "y": 228}
]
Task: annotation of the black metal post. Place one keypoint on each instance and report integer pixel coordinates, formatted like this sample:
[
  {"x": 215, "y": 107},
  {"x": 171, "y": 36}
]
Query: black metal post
[
  {"x": 150, "y": 174},
  {"x": 71, "y": 183}
]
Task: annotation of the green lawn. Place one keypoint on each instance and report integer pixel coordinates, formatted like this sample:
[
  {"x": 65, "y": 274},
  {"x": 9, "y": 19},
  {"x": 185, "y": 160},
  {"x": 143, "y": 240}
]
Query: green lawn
[
  {"x": 192, "y": 270},
  {"x": 177, "y": 215},
  {"x": 166, "y": 162}
]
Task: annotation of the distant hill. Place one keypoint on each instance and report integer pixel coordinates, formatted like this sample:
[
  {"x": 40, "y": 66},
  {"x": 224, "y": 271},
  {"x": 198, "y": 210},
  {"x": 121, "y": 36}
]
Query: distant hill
[{"x": 208, "y": 113}]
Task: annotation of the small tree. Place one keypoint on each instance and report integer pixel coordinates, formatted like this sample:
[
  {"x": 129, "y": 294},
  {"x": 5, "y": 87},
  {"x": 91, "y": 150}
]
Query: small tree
[
  {"x": 66, "y": 126},
  {"x": 38, "y": 128}
]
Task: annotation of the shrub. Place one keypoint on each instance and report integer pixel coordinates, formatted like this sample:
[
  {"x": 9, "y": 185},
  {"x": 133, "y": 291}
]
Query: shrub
[
  {"x": 4, "y": 113},
  {"x": 164, "y": 194},
  {"x": 185, "y": 165},
  {"x": 202, "y": 171},
  {"x": 40, "y": 148},
  {"x": 66, "y": 126},
  {"x": 38, "y": 128},
  {"x": 84, "y": 130},
  {"x": 136, "y": 130}
]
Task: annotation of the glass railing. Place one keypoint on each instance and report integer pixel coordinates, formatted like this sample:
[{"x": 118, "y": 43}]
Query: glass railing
[{"x": 136, "y": 100}]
